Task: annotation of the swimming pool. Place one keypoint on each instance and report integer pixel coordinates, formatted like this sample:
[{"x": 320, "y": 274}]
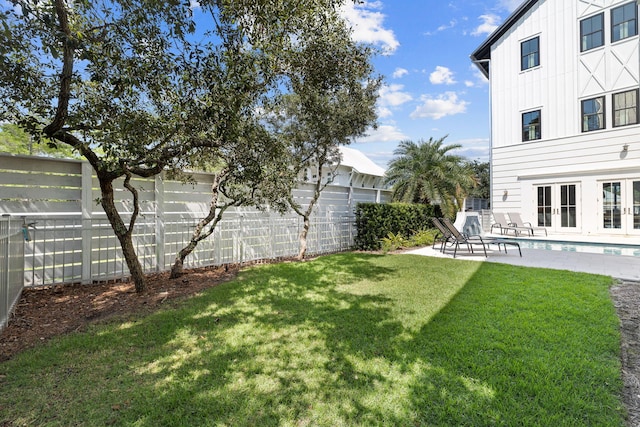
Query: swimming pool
[{"x": 592, "y": 248}]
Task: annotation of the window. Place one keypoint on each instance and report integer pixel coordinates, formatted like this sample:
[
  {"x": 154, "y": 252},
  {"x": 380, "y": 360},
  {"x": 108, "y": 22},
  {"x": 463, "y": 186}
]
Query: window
[
  {"x": 625, "y": 108},
  {"x": 592, "y": 32},
  {"x": 531, "y": 126},
  {"x": 624, "y": 21},
  {"x": 593, "y": 114},
  {"x": 530, "y": 53}
]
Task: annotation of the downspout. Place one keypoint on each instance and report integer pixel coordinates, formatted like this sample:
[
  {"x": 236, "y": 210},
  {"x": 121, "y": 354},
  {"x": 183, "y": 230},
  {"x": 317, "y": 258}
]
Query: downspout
[{"x": 477, "y": 62}]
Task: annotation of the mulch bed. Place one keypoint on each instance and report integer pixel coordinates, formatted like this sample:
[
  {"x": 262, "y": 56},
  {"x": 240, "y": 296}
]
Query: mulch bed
[{"x": 45, "y": 312}]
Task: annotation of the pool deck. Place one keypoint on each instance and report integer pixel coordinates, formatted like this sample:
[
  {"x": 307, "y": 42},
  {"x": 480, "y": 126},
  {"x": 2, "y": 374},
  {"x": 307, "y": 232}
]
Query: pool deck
[{"x": 617, "y": 266}]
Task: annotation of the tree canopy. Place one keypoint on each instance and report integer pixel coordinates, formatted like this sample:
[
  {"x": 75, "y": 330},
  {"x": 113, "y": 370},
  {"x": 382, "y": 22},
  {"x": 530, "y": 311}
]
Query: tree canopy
[
  {"x": 332, "y": 99},
  {"x": 142, "y": 86},
  {"x": 14, "y": 140}
]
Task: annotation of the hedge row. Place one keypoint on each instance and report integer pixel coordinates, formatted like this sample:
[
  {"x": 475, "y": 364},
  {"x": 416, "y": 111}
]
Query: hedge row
[{"x": 375, "y": 221}]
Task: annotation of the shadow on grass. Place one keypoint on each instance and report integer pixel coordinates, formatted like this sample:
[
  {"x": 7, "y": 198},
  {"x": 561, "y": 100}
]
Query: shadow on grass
[{"x": 339, "y": 341}]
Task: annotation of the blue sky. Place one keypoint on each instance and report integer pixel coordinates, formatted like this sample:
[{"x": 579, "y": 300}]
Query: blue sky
[{"x": 431, "y": 88}]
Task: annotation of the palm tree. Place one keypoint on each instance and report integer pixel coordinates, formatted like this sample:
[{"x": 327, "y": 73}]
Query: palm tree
[{"x": 427, "y": 172}]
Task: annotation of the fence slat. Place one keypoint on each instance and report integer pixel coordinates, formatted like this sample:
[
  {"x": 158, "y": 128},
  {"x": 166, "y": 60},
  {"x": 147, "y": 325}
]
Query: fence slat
[{"x": 11, "y": 266}]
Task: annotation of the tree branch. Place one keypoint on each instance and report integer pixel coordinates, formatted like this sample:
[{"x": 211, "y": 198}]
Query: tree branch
[
  {"x": 134, "y": 192},
  {"x": 67, "y": 71}
]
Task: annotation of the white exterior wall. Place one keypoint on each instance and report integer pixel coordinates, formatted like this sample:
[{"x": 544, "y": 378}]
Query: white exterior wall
[{"x": 564, "y": 155}]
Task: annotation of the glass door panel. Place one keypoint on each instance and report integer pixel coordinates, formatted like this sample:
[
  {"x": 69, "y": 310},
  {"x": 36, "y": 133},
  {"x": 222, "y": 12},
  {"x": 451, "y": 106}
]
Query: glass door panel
[
  {"x": 636, "y": 205},
  {"x": 612, "y": 205},
  {"x": 568, "y": 206},
  {"x": 544, "y": 206}
]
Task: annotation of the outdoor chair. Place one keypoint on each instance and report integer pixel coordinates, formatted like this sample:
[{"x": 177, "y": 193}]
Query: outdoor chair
[
  {"x": 516, "y": 221},
  {"x": 505, "y": 225},
  {"x": 460, "y": 238},
  {"x": 443, "y": 236}
]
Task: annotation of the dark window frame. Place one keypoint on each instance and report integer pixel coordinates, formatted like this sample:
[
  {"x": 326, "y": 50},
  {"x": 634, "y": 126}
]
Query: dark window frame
[
  {"x": 616, "y": 25},
  {"x": 527, "y": 126},
  {"x": 528, "y": 53},
  {"x": 589, "y": 33},
  {"x": 614, "y": 110},
  {"x": 586, "y": 115}
]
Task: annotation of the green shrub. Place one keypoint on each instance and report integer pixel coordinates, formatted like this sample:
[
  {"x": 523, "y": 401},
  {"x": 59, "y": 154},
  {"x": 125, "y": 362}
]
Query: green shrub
[
  {"x": 423, "y": 238},
  {"x": 375, "y": 221},
  {"x": 394, "y": 242}
]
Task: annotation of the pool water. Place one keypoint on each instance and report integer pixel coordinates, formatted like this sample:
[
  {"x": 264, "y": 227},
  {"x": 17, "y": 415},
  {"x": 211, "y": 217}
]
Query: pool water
[{"x": 593, "y": 248}]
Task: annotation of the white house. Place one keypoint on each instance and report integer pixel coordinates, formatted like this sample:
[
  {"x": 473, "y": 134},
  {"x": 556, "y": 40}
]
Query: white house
[{"x": 565, "y": 127}]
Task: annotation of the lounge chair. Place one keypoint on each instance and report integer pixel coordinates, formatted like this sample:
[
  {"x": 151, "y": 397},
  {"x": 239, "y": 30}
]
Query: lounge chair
[
  {"x": 444, "y": 235},
  {"x": 505, "y": 225},
  {"x": 459, "y": 238},
  {"x": 516, "y": 221}
]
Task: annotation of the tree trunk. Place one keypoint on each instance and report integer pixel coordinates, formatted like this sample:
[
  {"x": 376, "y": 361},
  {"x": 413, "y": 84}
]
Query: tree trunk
[
  {"x": 197, "y": 236},
  {"x": 123, "y": 234},
  {"x": 303, "y": 237},
  {"x": 177, "y": 267}
]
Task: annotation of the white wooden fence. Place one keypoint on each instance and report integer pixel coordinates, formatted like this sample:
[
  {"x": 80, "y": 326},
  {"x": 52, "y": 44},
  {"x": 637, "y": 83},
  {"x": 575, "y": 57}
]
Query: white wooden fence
[
  {"x": 11, "y": 266},
  {"x": 72, "y": 241}
]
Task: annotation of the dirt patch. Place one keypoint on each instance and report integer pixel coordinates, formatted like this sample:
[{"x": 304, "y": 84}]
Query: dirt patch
[{"x": 45, "y": 312}]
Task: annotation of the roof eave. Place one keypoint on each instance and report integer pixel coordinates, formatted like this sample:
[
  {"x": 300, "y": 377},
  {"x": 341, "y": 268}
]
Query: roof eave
[{"x": 481, "y": 56}]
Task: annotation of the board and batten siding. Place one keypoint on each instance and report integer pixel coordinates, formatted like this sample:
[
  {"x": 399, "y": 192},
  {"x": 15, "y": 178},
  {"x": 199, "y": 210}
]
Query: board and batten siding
[{"x": 565, "y": 77}]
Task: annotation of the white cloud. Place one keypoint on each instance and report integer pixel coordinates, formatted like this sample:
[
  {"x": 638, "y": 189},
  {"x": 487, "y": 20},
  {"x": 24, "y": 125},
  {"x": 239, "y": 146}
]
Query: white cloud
[
  {"x": 384, "y": 112},
  {"x": 400, "y": 72},
  {"x": 509, "y": 5},
  {"x": 489, "y": 23},
  {"x": 451, "y": 24},
  {"x": 442, "y": 27},
  {"x": 368, "y": 24},
  {"x": 474, "y": 148},
  {"x": 393, "y": 96},
  {"x": 446, "y": 104},
  {"x": 442, "y": 75},
  {"x": 478, "y": 78},
  {"x": 384, "y": 133}
]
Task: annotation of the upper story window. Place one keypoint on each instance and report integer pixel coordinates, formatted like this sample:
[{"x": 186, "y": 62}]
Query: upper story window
[
  {"x": 625, "y": 108},
  {"x": 531, "y": 129},
  {"x": 592, "y": 32},
  {"x": 530, "y": 53},
  {"x": 624, "y": 21},
  {"x": 593, "y": 114}
]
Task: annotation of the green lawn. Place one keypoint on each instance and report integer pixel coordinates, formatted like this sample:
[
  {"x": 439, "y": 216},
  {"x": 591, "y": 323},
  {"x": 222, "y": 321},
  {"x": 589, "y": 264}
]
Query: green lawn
[{"x": 348, "y": 339}]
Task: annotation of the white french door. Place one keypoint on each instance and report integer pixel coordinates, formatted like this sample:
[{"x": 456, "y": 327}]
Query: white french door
[
  {"x": 558, "y": 207},
  {"x": 620, "y": 206}
]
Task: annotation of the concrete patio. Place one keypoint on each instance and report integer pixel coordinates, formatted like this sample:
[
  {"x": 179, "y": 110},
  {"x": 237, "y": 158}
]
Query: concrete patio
[{"x": 617, "y": 266}]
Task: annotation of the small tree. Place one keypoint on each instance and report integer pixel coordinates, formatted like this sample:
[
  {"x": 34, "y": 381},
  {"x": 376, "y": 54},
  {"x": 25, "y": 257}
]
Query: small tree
[
  {"x": 332, "y": 100},
  {"x": 253, "y": 166},
  {"x": 482, "y": 174},
  {"x": 427, "y": 172},
  {"x": 249, "y": 174}
]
